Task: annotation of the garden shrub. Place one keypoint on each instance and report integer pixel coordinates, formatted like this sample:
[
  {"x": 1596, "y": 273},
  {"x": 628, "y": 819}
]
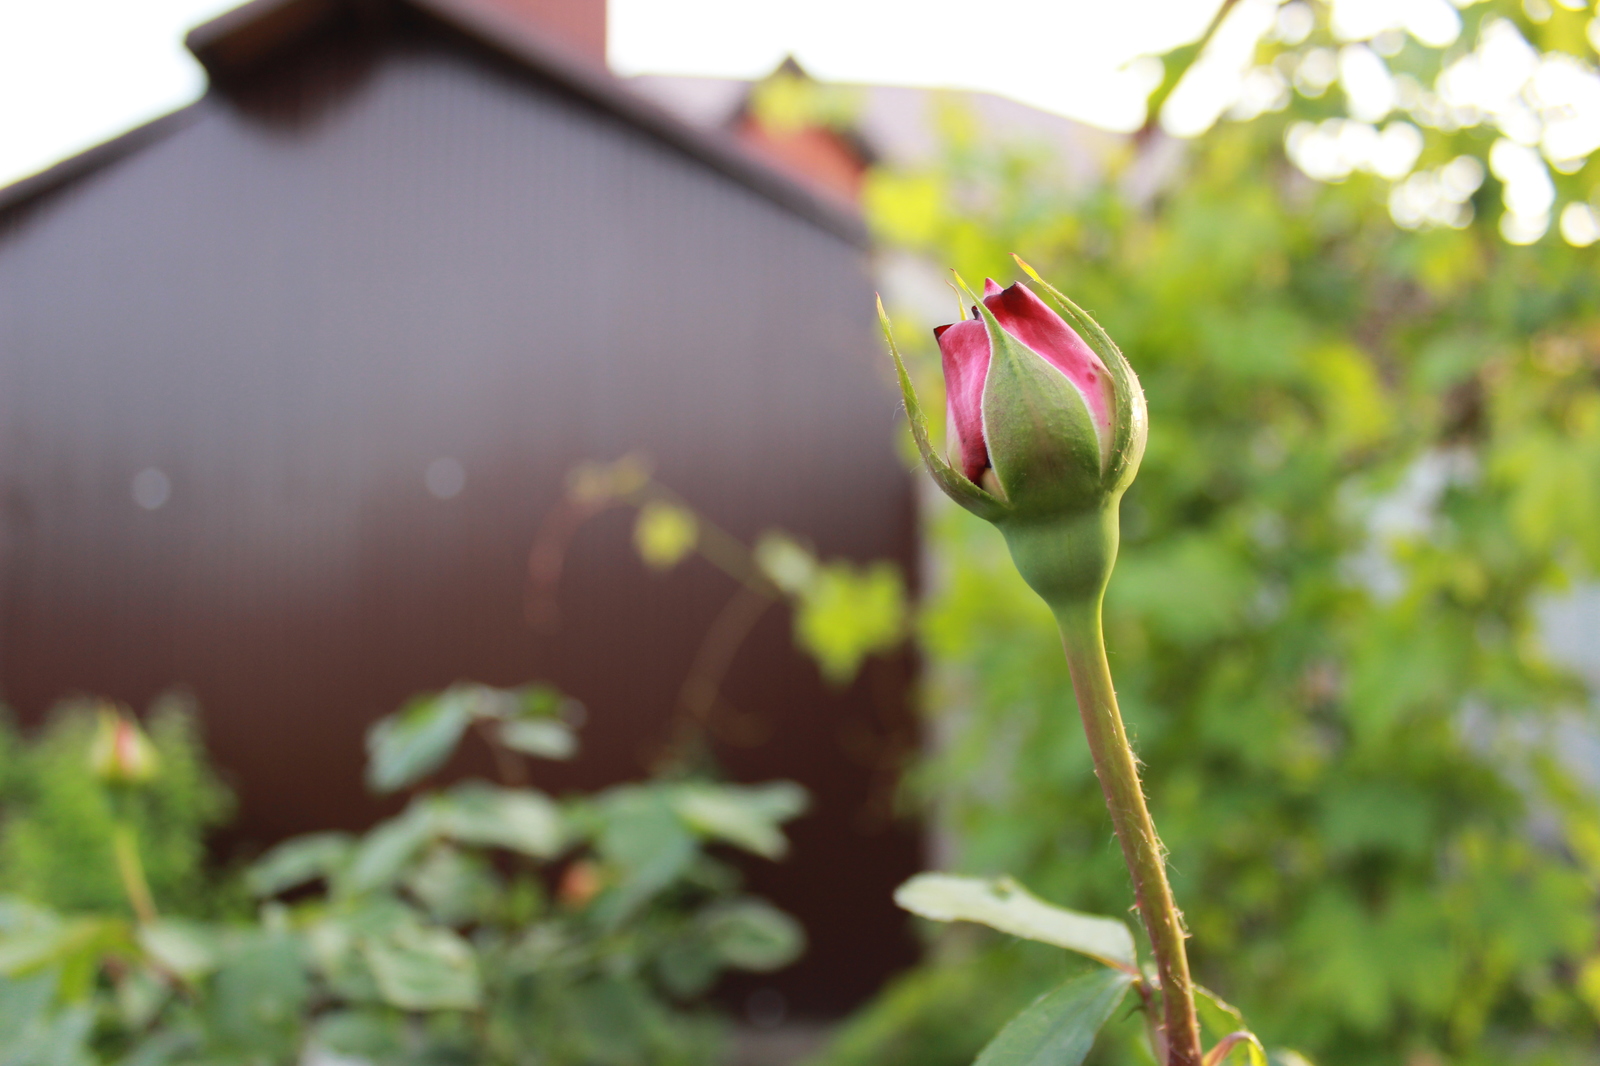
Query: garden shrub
[{"x": 1372, "y": 452}]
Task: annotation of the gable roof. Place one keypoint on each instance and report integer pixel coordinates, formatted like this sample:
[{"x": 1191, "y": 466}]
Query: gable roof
[{"x": 235, "y": 42}]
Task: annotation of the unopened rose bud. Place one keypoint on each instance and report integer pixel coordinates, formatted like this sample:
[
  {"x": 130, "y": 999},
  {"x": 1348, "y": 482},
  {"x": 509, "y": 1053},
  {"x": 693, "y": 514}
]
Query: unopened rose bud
[
  {"x": 121, "y": 754},
  {"x": 1046, "y": 429}
]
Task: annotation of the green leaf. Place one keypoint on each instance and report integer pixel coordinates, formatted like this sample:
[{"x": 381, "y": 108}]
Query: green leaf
[
  {"x": 188, "y": 949},
  {"x": 25, "y": 1004},
  {"x": 41, "y": 1036},
  {"x": 383, "y": 853},
  {"x": 420, "y": 968},
  {"x": 1007, "y": 906},
  {"x": 752, "y": 935},
  {"x": 688, "y": 965},
  {"x": 31, "y": 938},
  {"x": 547, "y": 738},
  {"x": 848, "y": 613},
  {"x": 541, "y": 701},
  {"x": 260, "y": 992},
  {"x": 140, "y": 994},
  {"x": 369, "y": 1034},
  {"x": 405, "y": 747},
  {"x": 1218, "y": 1015},
  {"x": 515, "y": 819},
  {"x": 164, "y": 1046},
  {"x": 650, "y": 846},
  {"x": 1224, "y": 1023},
  {"x": 18, "y": 915},
  {"x": 36, "y": 940},
  {"x": 473, "y": 813},
  {"x": 334, "y": 944},
  {"x": 1060, "y": 1027},
  {"x": 664, "y": 534},
  {"x": 456, "y": 888},
  {"x": 748, "y": 817},
  {"x": 296, "y": 861},
  {"x": 843, "y": 613}
]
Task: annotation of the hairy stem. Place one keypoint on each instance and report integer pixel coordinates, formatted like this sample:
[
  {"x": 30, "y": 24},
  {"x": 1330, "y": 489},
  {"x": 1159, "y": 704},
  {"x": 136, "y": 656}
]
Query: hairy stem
[
  {"x": 1118, "y": 771},
  {"x": 131, "y": 870}
]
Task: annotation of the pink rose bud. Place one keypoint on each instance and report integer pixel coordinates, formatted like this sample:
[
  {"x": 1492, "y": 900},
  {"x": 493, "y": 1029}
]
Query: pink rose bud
[
  {"x": 1046, "y": 429},
  {"x": 965, "y": 348},
  {"x": 121, "y": 754}
]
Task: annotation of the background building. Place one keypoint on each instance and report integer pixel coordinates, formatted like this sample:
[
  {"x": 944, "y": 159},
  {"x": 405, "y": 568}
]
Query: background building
[{"x": 290, "y": 379}]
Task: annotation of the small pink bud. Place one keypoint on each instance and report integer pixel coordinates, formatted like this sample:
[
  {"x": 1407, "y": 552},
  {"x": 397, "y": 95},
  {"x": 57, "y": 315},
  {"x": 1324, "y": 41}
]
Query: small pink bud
[{"x": 121, "y": 754}]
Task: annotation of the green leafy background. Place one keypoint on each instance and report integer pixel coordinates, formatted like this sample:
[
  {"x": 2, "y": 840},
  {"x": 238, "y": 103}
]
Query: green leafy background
[
  {"x": 484, "y": 923},
  {"x": 1372, "y": 451}
]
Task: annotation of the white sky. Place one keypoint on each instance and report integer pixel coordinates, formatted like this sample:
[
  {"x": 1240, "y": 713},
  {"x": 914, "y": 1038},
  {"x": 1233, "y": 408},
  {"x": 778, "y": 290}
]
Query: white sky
[
  {"x": 76, "y": 72},
  {"x": 1060, "y": 55}
]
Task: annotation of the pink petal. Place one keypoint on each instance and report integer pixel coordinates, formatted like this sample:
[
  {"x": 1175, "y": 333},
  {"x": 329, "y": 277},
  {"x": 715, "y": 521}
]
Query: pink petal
[
  {"x": 964, "y": 347},
  {"x": 1035, "y": 324}
]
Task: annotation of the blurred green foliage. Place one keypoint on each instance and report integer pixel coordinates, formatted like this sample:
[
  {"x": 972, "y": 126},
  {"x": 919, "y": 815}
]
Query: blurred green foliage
[
  {"x": 1371, "y": 451},
  {"x": 842, "y": 613},
  {"x": 55, "y": 835},
  {"x": 788, "y": 100},
  {"x": 482, "y": 924}
]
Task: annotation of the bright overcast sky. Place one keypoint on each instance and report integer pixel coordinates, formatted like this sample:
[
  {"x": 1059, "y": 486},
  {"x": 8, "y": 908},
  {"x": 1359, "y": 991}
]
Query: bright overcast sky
[{"x": 75, "y": 72}]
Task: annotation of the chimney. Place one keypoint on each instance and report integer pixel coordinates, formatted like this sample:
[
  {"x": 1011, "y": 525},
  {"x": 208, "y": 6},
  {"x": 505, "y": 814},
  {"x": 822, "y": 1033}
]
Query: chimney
[{"x": 579, "y": 24}]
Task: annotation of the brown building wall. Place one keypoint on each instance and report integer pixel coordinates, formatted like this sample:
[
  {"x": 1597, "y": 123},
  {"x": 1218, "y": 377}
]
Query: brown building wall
[{"x": 378, "y": 253}]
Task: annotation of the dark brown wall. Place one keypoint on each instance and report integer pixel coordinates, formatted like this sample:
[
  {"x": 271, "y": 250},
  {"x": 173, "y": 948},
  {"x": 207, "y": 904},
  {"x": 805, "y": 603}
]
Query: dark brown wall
[{"x": 375, "y": 257}]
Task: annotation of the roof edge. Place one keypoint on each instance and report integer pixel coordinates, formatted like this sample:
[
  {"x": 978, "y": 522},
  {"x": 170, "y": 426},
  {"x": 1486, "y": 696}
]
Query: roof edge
[
  {"x": 37, "y": 184},
  {"x": 242, "y": 36},
  {"x": 503, "y": 31},
  {"x": 250, "y": 32}
]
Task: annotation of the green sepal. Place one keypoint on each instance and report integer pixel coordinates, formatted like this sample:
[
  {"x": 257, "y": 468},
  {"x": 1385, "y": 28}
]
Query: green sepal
[
  {"x": 1042, "y": 441},
  {"x": 951, "y": 480},
  {"x": 1131, "y": 426}
]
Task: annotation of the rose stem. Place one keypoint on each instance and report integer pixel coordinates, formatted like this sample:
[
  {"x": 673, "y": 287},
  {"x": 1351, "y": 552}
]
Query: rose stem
[
  {"x": 131, "y": 871},
  {"x": 1118, "y": 771}
]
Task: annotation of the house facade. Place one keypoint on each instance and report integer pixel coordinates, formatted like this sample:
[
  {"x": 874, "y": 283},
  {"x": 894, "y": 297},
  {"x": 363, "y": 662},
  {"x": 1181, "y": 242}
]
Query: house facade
[{"x": 290, "y": 380}]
